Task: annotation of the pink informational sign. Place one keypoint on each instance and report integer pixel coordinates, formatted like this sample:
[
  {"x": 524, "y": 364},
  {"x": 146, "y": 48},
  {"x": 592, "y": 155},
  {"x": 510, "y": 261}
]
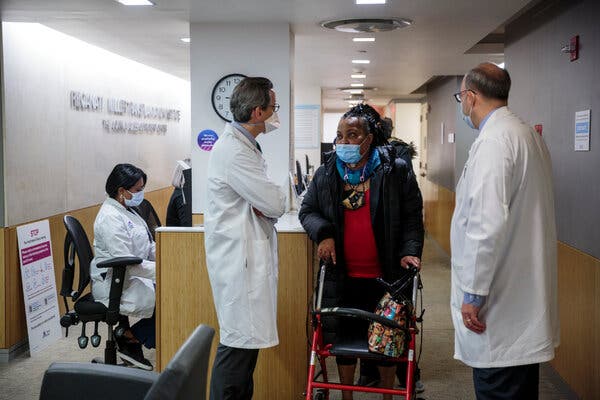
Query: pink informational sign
[{"x": 39, "y": 285}]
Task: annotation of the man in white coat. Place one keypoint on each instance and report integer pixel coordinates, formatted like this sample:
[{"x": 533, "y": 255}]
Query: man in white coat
[
  {"x": 503, "y": 238},
  {"x": 243, "y": 205}
]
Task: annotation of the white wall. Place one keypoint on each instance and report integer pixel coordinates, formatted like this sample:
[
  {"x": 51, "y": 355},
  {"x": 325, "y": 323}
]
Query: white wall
[
  {"x": 251, "y": 49},
  {"x": 1, "y": 136},
  {"x": 306, "y": 94},
  {"x": 407, "y": 126},
  {"x": 330, "y": 125},
  {"x": 57, "y": 158}
]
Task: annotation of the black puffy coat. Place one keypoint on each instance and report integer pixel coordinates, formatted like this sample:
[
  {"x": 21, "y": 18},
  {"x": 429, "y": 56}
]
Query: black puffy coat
[{"x": 396, "y": 210}]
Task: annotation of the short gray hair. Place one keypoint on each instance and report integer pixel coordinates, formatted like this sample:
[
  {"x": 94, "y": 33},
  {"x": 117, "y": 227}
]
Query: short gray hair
[
  {"x": 250, "y": 93},
  {"x": 490, "y": 80}
]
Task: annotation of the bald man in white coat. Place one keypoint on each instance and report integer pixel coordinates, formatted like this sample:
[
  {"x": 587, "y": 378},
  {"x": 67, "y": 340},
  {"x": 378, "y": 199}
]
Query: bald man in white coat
[{"x": 503, "y": 238}]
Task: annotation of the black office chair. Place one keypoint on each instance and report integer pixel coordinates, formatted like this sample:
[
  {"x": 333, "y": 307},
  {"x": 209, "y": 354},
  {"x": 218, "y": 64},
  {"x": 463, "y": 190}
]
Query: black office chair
[
  {"x": 147, "y": 212},
  {"x": 184, "y": 377},
  {"x": 86, "y": 309}
]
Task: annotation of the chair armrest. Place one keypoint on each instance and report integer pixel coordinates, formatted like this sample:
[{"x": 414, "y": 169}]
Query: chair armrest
[
  {"x": 95, "y": 382},
  {"x": 119, "y": 262}
]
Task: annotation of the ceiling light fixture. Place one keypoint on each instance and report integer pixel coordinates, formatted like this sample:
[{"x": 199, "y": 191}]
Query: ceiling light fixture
[
  {"x": 361, "y": 61},
  {"x": 136, "y": 2},
  {"x": 357, "y": 84},
  {"x": 367, "y": 25},
  {"x": 363, "y": 39},
  {"x": 354, "y": 91},
  {"x": 354, "y": 97},
  {"x": 358, "y": 76},
  {"x": 185, "y": 39},
  {"x": 370, "y": 1}
]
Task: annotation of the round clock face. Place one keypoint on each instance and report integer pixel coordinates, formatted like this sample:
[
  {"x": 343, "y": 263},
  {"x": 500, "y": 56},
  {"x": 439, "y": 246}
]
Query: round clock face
[{"x": 221, "y": 95}]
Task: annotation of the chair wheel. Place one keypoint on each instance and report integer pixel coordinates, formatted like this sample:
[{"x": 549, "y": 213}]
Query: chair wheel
[
  {"x": 119, "y": 332},
  {"x": 82, "y": 341},
  {"x": 96, "y": 340}
]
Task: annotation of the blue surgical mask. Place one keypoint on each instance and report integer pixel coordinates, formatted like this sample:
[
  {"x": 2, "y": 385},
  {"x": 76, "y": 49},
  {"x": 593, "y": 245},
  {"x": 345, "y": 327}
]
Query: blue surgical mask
[
  {"x": 467, "y": 118},
  {"x": 136, "y": 199},
  {"x": 349, "y": 153}
]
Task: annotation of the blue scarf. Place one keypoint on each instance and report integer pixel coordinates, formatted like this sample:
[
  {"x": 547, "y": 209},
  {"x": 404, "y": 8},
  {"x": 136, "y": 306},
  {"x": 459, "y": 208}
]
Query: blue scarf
[{"x": 353, "y": 177}]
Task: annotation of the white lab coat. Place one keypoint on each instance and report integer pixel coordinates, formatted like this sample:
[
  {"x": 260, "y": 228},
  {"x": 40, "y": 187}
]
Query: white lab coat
[
  {"x": 122, "y": 233},
  {"x": 503, "y": 239},
  {"x": 241, "y": 247}
]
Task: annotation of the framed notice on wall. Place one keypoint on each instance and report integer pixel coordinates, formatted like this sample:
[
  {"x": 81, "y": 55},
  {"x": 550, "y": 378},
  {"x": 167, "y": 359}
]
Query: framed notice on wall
[
  {"x": 582, "y": 130},
  {"x": 39, "y": 285},
  {"x": 307, "y": 126}
]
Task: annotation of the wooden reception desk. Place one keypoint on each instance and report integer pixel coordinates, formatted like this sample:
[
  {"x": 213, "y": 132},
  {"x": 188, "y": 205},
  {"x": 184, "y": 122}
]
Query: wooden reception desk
[{"x": 184, "y": 300}]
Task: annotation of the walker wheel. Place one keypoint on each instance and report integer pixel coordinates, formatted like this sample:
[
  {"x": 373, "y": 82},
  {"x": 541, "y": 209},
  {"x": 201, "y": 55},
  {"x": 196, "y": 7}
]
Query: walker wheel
[{"x": 320, "y": 395}]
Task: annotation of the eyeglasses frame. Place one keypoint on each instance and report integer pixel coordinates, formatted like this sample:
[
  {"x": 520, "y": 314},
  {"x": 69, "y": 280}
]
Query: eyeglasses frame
[{"x": 457, "y": 95}]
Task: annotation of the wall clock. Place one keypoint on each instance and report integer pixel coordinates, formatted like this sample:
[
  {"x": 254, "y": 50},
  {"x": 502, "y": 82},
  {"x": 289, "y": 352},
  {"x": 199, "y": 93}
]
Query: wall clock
[{"x": 221, "y": 95}]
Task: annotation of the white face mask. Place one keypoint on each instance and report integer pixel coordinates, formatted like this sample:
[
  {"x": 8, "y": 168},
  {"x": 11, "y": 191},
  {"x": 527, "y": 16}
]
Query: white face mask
[
  {"x": 272, "y": 123},
  {"x": 135, "y": 200}
]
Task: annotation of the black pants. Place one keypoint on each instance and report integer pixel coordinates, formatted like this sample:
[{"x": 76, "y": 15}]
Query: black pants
[
  {"x": 232, "y": 373},
  {"x": 368, "y": 369},
  {"x": 508, "y": 383}
]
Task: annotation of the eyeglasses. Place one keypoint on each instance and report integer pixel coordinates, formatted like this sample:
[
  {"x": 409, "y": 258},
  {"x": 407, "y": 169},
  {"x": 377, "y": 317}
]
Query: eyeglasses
[
  {"x": 458, "y": 95},
  {"x": 275, "y": 107}
]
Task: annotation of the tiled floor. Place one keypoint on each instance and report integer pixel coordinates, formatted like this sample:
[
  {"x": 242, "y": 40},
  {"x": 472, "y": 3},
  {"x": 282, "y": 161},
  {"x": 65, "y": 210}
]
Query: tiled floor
[{"x": 444, "y": 377}]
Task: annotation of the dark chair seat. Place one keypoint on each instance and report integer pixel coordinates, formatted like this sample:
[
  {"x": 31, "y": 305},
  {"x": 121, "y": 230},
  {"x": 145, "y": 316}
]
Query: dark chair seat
[
  {"x": 358, "y": 348},
  {"x": 184, "y": 378},
  {"x": 89, "y": 309}
]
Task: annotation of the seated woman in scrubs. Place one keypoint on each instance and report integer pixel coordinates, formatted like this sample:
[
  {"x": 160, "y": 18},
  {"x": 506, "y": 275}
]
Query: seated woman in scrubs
[{"x": 121, "y": 232}]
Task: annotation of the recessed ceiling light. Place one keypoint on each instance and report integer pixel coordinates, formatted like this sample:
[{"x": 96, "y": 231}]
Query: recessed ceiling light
[
  {"x": 357, "y": 84},
  {"x": 358, "y": 76},
  {"x": 361, "y": 61},
  {"x": 370, "y": 1},
  {"x": 363, "y": 39},
  {"x": 185, "y": 39},
  {"x": 354, "y": 91},
  {"x": 136, "y": 2}
]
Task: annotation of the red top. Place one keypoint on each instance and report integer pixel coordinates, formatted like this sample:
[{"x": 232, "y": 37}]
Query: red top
[{"x": 360, "y": 250}]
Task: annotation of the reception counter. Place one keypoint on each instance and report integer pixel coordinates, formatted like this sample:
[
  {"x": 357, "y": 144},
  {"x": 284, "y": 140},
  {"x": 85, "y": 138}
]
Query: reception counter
[{"x": 184, "y": 300}]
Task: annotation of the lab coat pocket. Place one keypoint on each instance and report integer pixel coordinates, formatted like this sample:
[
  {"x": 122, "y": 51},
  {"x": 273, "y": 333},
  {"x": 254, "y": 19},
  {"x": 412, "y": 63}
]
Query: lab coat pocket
[{"x": 259, "y": 265}]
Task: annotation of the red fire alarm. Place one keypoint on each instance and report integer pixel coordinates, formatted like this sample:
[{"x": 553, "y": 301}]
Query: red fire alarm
[
  {"x": 574, "y": 48},
  {"x": 538, "y": 129}
]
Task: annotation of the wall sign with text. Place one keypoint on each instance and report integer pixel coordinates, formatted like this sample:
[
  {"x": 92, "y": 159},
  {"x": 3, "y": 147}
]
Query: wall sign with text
[{"x": 39, "y": 285}]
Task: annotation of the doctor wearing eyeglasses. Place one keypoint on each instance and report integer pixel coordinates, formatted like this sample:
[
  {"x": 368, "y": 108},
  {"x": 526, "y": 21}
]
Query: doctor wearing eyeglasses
[
  {"x": 503, "y": 238},
  {"x": 243, "y": 204}
]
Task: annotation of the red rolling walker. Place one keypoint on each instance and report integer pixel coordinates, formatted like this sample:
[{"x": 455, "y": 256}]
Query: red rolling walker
[{"x": 319, "y": 389}]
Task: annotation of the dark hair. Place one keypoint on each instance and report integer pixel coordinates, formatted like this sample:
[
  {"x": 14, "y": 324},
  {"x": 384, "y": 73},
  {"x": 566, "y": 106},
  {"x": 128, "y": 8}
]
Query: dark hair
[
  {"x": 371, "y": 122},
  {"x": 490, "y": 80},
  {"x": 125, "y": 176},
  {"x": 250, "y": 93},
  {"x": 387, "y": 126}
]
